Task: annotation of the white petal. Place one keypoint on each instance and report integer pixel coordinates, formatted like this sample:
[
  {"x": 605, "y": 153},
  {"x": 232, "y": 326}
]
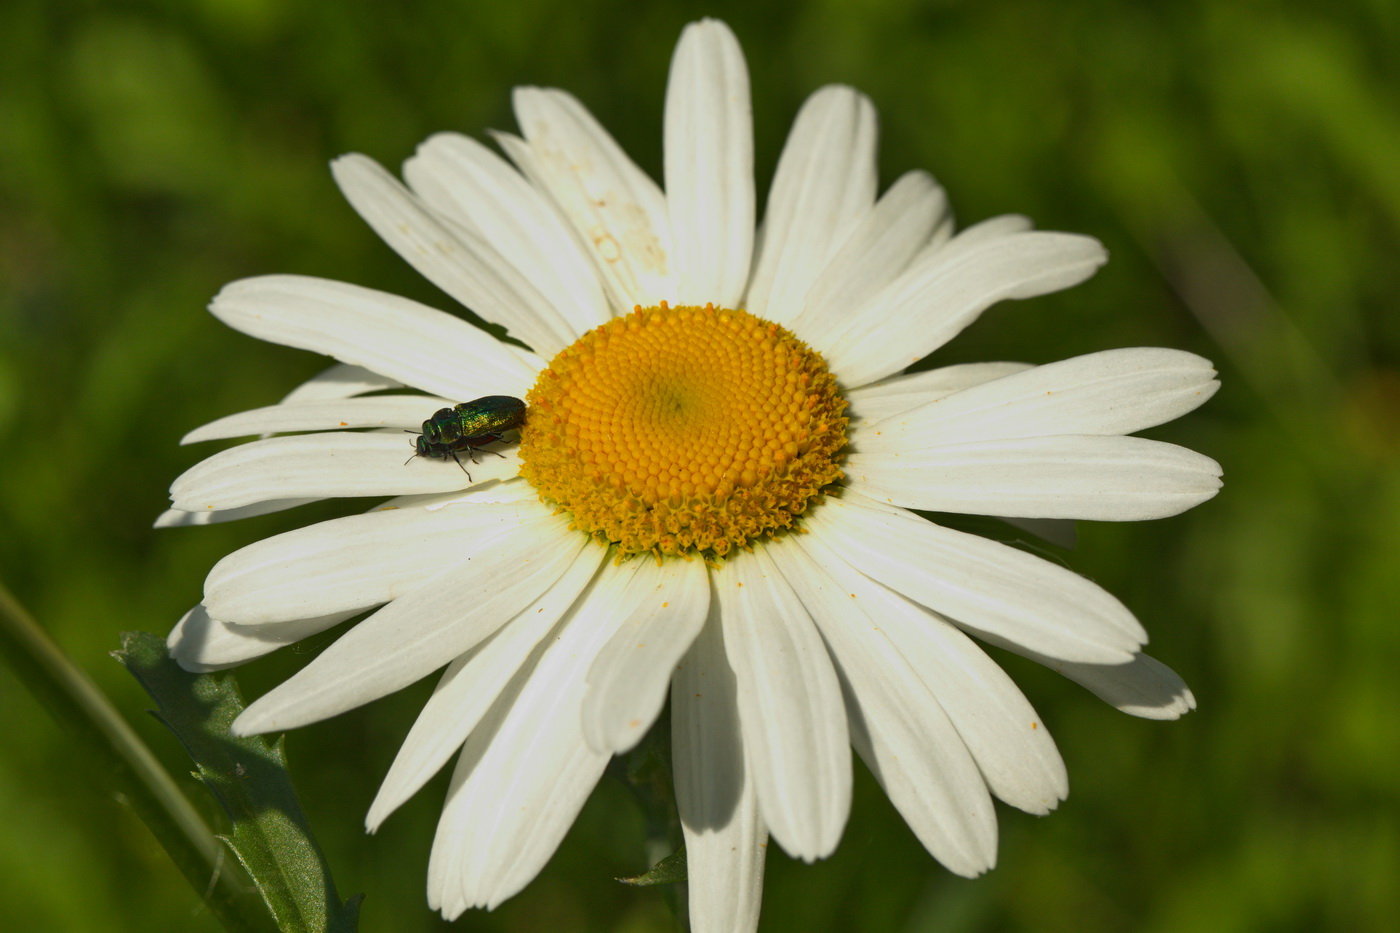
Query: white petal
[
  {"x": 790, "y": 704},
  {"x": 934, "y": 300},
  {"x": 1006, "y": 737},
  {"x": 201, "y": 643},
  {"x": 879, "y": 249},
  {"x": 664, "y": 607},
  {"x": 340, "y": 380},
  {"x": 355, "y": 562},
  {"x": 509, "y": 490},
  {"x": 473, "y": 682},
  {"x": 944, "y": 243},
  {"x": 322, "y": 466},
  {"x": 179, "y": 518},
  {"x": 901, "y": 393},
  {"x": 709, "y": 165},
  {"x": 1111, "y": 392},
  {"x": 618, "y": 211},
  {"x": 467, "y": 182},
  {"x": 380, "y": 411},
  {"x": 824, "y": 185},
  {"x": 1115, "y": 479},
  {"x": 525, "y": 771},
  {"x": 992, "y": 228},
  {"x": 725, "y": 839},
  {"x": 420, "y": 631},
  {"x": 981, "y": 585},
  {"x": 1143, "y": 687},
  {"x": 941, "y": 235},
  {"x": 415, "y": 344},
  {"x": 897, "y": 724},
  {"x": 456, "y": 259}
]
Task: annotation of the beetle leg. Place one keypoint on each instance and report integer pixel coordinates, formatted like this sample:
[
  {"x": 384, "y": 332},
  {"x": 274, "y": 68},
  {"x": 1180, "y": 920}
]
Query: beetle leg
[{"x": 464, "y": 469}]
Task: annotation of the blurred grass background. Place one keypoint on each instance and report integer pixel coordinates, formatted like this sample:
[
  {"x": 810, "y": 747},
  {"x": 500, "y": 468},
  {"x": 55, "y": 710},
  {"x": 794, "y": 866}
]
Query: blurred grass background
[{"x": 1240, "y": 160}]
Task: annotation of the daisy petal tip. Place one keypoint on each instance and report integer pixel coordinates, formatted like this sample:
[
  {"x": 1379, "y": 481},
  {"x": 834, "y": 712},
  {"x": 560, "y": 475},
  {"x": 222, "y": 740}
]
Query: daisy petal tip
[
  {"x": 1173, "y": 708},
  {"x": 190, "y": 665},
  {"x": 252, "y": 721},
  {"x": 376, "y": 816},
  {"x": 595, "y": 732},
  {"x": 610, "y": 738},
  {"x": 351, "y": 162},
  {"x": 450, "y": 912},
  {"x": 1085, "y": 256},
  {"x": 977, "y": 865},
  {"x": 818, "y": 843},
  {"x": 1122, "y": 653},
  {"x": 707, "y": 27},
  {"x": 170, "y": 518}
]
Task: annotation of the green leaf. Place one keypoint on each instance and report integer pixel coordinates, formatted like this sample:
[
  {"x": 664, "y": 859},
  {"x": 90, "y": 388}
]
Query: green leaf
[
  {"x": 670, "y": 870},
  {"x": 122, "y": 761},
  {"x": 248, "y": 776}
]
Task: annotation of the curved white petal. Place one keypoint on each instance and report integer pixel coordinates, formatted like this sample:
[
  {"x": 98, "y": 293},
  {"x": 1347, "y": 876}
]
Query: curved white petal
[
  {"x": 824, "y": 185},
  {"x": 897, "y": 724},
  {"x": 1005, "y": 735},
  {"x": 340, "y": 380},
  {"x": 662, "y": 610},
  {"x": 946, "y": 245},
  {"x": 380, "y": 411},
  {"x": 1115, "y": 479},
  {"x": 322, "y": 466},
  {"x": 473, "y": 682},
  {"x": 941, "y": 235},
  {"x": 465, "y": 181},
  {"x": 509, "y": 490},
  {"x": 201, "y": 643},
  {"x": 979, "y": 584},
  {"x": 725, "y": 839},
  {"x": 790, "y": 705},
  {"x": 455, "y": 258},
  {"x": 525, "y": 771},
  {"x": 1143, "y": 687},
  {"x": 179, "y": 518},
  {"x": 355, "y": 562},
  {"x": 878, "y": 250},
  {"x": 992, "y": 228},
  {"x": 419, "y": 631},
  {"x": 618, "y": 211},
  {"x": 404, "y": 340},
  {"x": 869, "y": 404},
  {"x": 709, "y": 165},
  {"x": 1111, "y": 392},
  {"x": 935, "y": 299}
]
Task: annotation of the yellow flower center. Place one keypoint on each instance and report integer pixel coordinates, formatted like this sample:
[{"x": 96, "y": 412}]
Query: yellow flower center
[{"x": 679, "y": 430}]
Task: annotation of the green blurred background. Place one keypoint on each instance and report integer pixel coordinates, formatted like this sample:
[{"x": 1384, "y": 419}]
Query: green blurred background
[{"x": 1240, "y": 160}]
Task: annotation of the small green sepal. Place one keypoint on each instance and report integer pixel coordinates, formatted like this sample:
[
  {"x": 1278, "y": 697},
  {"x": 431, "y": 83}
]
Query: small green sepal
[{"x": 670, "y": 870}]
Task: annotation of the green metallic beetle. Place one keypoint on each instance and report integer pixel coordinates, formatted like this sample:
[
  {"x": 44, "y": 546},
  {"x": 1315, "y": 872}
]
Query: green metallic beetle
[{"x": 467, "y": 426}]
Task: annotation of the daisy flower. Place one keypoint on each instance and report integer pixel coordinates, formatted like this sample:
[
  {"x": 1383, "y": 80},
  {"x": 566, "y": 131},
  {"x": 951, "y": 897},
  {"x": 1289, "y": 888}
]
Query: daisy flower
[{"x": 710, "y": 499}]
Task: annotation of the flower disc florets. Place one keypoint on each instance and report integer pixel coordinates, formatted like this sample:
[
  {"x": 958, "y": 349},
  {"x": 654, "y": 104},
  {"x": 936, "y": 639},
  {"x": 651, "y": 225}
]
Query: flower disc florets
[{"x": 677, "y": 430}]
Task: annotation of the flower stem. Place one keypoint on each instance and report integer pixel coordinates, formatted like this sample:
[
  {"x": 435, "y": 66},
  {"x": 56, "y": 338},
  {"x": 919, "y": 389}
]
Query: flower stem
[{"x": 77, "y": 703}]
